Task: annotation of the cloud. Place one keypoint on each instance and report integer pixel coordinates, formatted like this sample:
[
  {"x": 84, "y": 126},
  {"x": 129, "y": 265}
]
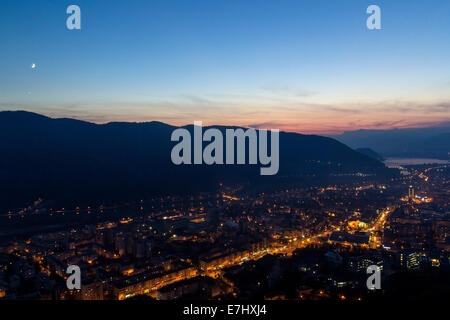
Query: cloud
[
  {"x": 440, "y": 107},
  {"x": 286, "y": 90},
  {"x": 266, "y": 125},
  {"x": 385, "y": 124}
]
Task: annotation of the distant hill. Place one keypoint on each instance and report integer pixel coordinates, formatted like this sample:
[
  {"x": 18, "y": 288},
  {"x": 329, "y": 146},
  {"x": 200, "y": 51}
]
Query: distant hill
[
  {"x": 370, "y": 153},
  {"x": 67, "y": 159},
  {"x": 433, "y": 142}
]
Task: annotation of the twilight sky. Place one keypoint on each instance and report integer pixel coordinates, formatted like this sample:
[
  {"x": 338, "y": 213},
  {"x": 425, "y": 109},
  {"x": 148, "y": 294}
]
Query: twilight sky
[{"x": 296, "y": 65}]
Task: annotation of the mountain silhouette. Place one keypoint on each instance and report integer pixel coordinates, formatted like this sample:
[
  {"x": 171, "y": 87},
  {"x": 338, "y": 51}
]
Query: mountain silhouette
[
  {"x": 73, "y": 160},
  {"x": 432, "y": 142}
]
